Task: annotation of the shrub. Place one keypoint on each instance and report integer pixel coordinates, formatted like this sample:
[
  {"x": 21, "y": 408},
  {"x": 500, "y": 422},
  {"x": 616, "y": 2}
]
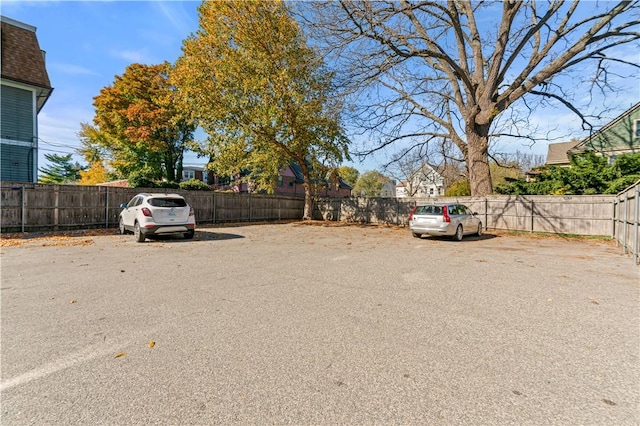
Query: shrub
[
  {"x": 166, "y": 184},
  {"x": 460, "y": 188},
  {"x": 140, "y": 181},
  {"x": 194, "y": 185}
]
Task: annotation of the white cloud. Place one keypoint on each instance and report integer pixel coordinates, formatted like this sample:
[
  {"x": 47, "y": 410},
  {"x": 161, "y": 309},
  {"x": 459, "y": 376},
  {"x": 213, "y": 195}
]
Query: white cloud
[
  {"x": 70, "y": 69},
  {"x": 132, "y": 56}
]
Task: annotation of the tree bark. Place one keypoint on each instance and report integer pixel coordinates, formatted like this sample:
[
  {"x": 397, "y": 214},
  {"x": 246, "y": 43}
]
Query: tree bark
[
  {"x": 308, "y": 202},
  {"x": 477, "y": 161}
]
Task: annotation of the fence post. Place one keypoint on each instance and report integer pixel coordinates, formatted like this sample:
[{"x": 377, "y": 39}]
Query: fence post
[
  {"x": 636, "y": 214},
  {"x": 532, "y": 219},
  {"x": 616, "y": 221},
  {"x": 23, "y": 214},
  {"x": 613, "y": 220},
  {"x": 486, "y": 213},
  {"x": 106, "y": 208},
  {"x": 213, "y": 207},
  {"x": 625, "y": 248},
  {"x": 56, "y": 210}
]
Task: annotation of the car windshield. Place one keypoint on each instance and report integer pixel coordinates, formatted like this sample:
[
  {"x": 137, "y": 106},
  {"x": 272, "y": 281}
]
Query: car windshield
[
  {"x": 429, "y": 210},
  {"x": 167, "y": 202}
]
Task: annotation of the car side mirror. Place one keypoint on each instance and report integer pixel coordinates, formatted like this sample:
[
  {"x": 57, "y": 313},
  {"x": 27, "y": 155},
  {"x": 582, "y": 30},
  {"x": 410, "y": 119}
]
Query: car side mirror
[{"x": 123, "y": 205}]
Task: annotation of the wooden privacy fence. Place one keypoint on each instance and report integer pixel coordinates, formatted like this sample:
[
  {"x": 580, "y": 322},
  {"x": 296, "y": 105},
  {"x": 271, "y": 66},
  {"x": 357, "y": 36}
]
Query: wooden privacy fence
[
  {"x": 627, "y": 212},
  {"x": 583, "y": 215},
  {"x": 32, "y": 207}
]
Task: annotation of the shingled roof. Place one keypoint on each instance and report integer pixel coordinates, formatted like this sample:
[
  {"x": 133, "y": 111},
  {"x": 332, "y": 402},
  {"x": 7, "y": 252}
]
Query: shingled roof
[
  {"x": 557, "y": 153},
  {"x": 22, "y": 58}
]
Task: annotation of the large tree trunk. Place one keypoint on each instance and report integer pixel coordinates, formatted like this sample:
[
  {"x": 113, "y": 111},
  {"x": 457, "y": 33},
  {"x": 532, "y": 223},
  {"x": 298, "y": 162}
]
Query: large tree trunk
[
  {"x": 308, "y": 202},
  {"x": 308, "y": 189},
  {"x": 478, "y": 161}
]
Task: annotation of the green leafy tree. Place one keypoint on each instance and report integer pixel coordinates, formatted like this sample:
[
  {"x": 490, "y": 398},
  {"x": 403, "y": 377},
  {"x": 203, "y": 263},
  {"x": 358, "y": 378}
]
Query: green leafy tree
[
  {"x": 349, "y": 174},
  {"x": 370, "y": 184},
  {"x": 261, "y": 94},
  {"x": 60, "y": 169},
  {"x": 458, "y": 189},
  {"x": 138, "y": 128}
]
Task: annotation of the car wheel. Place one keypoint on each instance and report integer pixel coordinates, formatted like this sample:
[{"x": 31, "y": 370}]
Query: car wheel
[
  {"x": 138, "y": 233},
  {"x": 479, "y": 229},
  {"x": 121, "y": 227},
  {"x": 416, "y": 235},
  {"x": 459, "y": 233},
  {"x": 189, "y": 235}
]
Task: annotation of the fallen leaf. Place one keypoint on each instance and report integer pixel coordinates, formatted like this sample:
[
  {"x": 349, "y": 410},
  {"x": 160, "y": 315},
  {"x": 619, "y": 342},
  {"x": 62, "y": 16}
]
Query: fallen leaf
[
  {"x": 73, "y": 301},
  {"x": 121, "y": 354},
  {"x": 152, "y": 344}
]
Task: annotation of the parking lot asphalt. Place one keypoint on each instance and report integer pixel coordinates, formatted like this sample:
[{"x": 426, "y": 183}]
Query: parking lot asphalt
[{"x": 318, "y": 325}]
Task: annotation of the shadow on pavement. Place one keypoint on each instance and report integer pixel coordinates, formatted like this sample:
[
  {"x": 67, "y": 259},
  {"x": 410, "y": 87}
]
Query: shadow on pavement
[{"x": 199, "y": 236}]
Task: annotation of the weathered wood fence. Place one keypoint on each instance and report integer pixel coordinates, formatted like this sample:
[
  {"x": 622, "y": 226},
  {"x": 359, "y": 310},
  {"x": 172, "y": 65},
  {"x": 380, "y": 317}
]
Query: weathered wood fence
[
  {"x": 582, "y": 215},
  {"x": 627, "y": 227},
  {"x": 32, "y": 207}
]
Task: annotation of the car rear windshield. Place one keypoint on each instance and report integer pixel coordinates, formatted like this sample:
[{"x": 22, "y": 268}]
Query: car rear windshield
[
  {"x": 168, "y": 202},
  {"x": 437, "y": 210}
]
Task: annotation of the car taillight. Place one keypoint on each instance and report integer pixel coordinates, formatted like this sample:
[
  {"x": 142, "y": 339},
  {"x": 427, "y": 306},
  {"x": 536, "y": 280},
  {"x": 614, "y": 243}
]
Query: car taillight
[
  {"x": 412, "y": 212},
  {"x": 145, "y": 211},
  {"x": 191, "y": 212},
  {"x": 445, "y": 214}
]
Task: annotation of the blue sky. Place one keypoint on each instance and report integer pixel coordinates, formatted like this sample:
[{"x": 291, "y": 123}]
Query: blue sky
[{"x": 88, "y": 43}]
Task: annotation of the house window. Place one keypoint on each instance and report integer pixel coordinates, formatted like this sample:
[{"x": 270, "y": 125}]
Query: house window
[
  {"x": 280, "y": 181},
  {"x": 205, "y": 176},
  {"x": 636, "y": 128},
  {"x": 188, "y": 174}
]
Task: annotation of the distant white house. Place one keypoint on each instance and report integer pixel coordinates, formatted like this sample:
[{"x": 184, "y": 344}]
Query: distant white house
[
  {"x": 388, "y": 189},
  {"x": 194, "y": 172},
  {"x": 425, "y": 182}
]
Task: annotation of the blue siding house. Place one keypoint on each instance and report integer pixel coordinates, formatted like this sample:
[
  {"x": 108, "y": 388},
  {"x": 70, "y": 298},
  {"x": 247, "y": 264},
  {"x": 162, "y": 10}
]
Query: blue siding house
[{"x": 24, "y": 89}]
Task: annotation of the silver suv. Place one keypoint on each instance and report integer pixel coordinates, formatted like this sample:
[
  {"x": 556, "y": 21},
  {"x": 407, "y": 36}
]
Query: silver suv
[
  {"x": 455, "y": 220},
  {"x": 157, "y": 214}
]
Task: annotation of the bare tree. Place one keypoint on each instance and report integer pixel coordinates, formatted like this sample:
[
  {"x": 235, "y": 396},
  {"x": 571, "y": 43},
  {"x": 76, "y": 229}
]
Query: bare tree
[{"x": 424, "y": 71}]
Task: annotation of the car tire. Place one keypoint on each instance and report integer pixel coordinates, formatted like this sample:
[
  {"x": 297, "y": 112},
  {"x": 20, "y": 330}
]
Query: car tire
[
  {"x": 189, "y": 235},
  {"x": 121, "y": 227},
  {"x": 138, "y": 233},
  {"x": 416, "y": 235},
  {"x": 459, "y": 233},
  {"x": 479, "y": 229}
]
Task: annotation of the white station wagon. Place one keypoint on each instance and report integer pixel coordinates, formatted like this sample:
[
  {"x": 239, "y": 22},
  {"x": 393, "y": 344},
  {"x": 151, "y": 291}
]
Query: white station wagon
[{"x": 157, "y": 214}]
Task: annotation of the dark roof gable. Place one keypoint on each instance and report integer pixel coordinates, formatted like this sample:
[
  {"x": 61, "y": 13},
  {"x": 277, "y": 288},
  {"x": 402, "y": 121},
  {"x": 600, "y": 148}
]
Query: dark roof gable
[{"x": 22, "y": 59}]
